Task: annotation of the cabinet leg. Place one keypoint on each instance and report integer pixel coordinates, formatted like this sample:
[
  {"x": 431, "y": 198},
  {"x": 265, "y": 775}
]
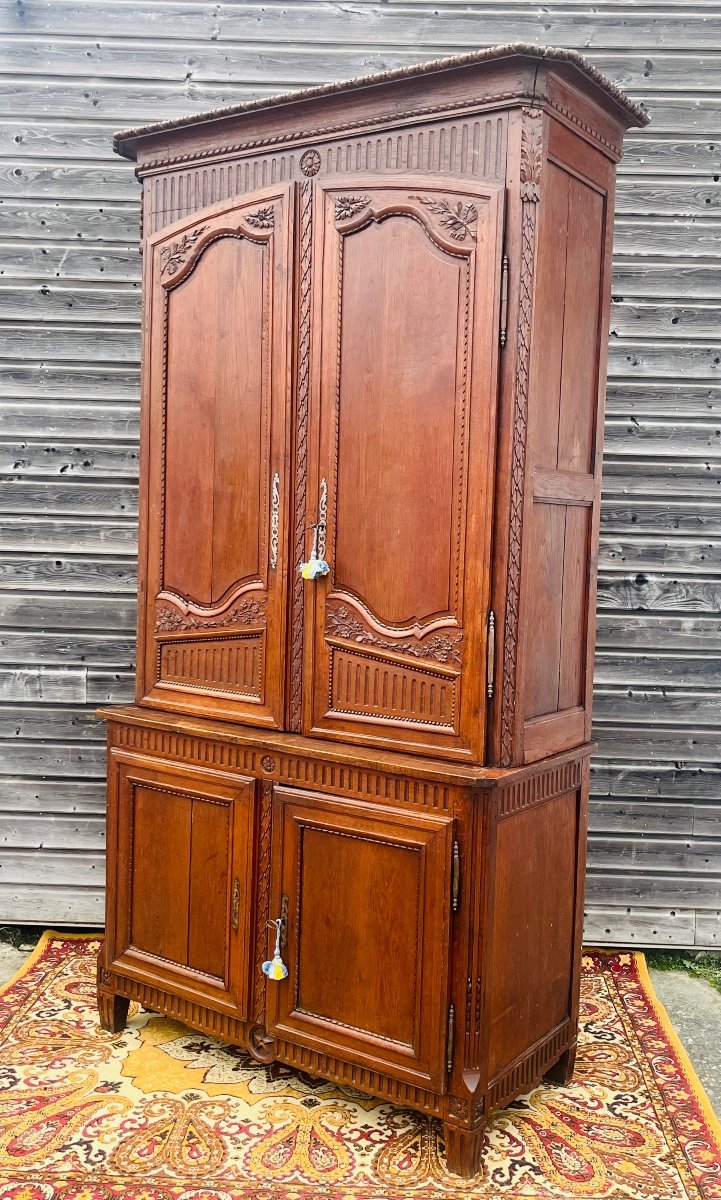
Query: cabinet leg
[
  {"x": 113, "y": 1011},
  {"x": 562, "y": 1071},
  {"x": 463, "y": 1150}
]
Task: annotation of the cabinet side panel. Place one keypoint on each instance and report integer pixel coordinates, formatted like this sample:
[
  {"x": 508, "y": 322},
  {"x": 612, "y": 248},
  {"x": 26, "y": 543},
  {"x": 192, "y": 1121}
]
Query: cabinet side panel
[
  {"x": 567, "y": 384},
  {"x": 533, "y": 899}
]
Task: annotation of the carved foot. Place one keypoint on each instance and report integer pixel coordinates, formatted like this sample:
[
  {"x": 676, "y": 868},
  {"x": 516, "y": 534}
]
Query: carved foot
[
  {"x": 113, "y": 1011},
  {"x": 463, "y": 1150},
  {"x": 562, "y": 1071}
]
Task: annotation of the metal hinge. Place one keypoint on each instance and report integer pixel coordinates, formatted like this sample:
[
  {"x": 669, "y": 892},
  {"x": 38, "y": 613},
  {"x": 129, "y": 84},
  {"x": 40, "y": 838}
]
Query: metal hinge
[
  {"x": 450, "y": 1038},
  {"x": 490, "y": 654},
  {"x": 504, "y": 298},
  {"x": 456, "y": 877}
]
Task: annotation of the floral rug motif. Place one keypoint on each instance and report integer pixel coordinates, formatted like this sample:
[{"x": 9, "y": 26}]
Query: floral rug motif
[{"x": 160, "y": 1112}]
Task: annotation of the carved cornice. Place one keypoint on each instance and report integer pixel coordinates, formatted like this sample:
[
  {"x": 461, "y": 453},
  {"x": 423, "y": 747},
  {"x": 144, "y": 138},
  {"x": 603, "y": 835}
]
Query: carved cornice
[
  {"x": 541, "y": 53},
  {"x": 247, "y": 612},
  {"x": 341, "y": 623}
]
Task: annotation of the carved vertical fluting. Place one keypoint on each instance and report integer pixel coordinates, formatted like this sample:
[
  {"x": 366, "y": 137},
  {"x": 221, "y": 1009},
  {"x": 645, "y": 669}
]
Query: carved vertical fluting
[
  {"x": 530, "y": 175},
  {"x": 301, "y": 453},
  {"x": 263, "y": 898}
]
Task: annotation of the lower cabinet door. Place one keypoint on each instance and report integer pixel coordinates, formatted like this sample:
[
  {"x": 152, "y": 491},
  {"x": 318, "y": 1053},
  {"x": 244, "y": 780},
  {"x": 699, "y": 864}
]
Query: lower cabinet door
[
  {"x": 364, "y": 892},
  {"x": 181, "y": 858}
]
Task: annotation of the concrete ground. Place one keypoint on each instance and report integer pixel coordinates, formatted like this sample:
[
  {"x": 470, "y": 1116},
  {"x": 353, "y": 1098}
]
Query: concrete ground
[{"x": 692, "y": 1004}]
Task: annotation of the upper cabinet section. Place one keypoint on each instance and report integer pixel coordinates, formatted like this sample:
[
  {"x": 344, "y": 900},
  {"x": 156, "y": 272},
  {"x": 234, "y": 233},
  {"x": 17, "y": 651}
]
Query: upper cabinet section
[
  {"x": 405, "y": 322},
  {"x": 218, "y": 295}
]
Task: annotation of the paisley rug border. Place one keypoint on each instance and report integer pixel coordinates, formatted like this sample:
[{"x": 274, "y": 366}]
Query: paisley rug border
[{"x": 637, "y": 956}]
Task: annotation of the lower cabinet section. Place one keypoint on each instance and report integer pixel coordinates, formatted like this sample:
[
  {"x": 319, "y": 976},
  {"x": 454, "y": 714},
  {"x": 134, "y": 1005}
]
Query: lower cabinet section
[
  {"x": 430, "y": 923},
  {"x": 183, "y": 846},
  {"x": 367, "y": 894}
]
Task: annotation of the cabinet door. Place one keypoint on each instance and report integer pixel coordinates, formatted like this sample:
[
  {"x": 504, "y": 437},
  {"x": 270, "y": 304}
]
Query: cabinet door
[
  {"x": 406, "y": 297},
  {"x": 366, "y": 891},
  {"x": 216, "y": 380},
  {"x": 181, "y": 862}
]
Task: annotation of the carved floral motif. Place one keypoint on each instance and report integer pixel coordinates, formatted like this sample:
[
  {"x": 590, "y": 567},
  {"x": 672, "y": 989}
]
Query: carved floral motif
[
  {"x": 172, "y": 257},
  {"x": 310, "y": 162},
  {"x": 458, "y": 218},
  {"x": 349, "y": 206},
  {"x": 262, "y": 218},
  {"x": 248, "y": 612},
  {"x": 531, "y": 155},
  {"x": 444, "y": 648}
]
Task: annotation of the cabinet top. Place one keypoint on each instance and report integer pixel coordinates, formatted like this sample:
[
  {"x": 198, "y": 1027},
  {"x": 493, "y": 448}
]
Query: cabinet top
[{"x": 478, "y": 63}]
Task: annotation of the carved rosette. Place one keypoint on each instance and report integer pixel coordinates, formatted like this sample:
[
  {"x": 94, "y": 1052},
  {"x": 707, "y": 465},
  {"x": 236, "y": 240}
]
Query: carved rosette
[
  {"x": 247, "y": 612},
  {"x": 173, "y": 257},
  {"x": 349, "y": 206},
  {"x": 531, "y": 166},
  {"x": 442, "y": 648},
  {"x": 310, "y": 162},
  {"x": 458, "y": 219}
]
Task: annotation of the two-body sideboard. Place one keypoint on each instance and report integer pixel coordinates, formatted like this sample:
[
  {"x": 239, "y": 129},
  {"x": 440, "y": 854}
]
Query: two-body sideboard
[{"x": 375, "y": 318}]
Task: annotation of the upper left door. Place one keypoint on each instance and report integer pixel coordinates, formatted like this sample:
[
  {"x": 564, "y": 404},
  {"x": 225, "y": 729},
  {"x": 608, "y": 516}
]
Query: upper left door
[{"x": 214, "y": 460}]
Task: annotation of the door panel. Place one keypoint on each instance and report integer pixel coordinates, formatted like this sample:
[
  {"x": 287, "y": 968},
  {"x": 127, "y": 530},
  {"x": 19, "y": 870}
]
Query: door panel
[
  {"x": 185, "y": 852},
  {"x": 217, "y": 401},
  {"x": 367, "y": 893},
  {"x": 406, "y": 294}
]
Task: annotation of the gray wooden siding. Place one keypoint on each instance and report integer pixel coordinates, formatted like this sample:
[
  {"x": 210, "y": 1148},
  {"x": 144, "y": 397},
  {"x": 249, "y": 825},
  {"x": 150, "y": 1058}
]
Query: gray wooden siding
[{"x": 72, "y": 72}]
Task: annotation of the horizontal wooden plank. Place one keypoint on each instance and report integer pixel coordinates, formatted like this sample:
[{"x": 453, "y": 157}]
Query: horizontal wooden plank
[
  {"x": 53, "y": 796},
  {"x": 61, "y": 611},
  {"x": 68, "y": 497},
  {"x": 662, "y": 706},
  {"x": 697, "y": 556},
  {"x": 639, "y": 277},
  {"x": 671, "y": 235},
  {"x": 664, "y": 476},
  {"x": 707, "y": 820},
  {"x": 47, "y": 684},
  {"x": 680, "y": 438},
  {"x": 67, "y": 535},
  {"x": 667, "y": 668},
  {"x": 51, "y": 831},
  {"x": 47, "y": 260},
  {"x": 110, "y": 687},
  {"x": 671, "y": 517},
  {"x": 651, "y": 742},
  {"x": 662, "y": 780},
  {"x": 656, "y": 854},
  {"x": 648, "y": 890},
  {"x": 612, "y": 925},
  {"x": 57, "y": 458},
  {"x": 74, "y": 381},
  {"x": 61, "y": 723},
  {"x": 658, "y": 593},
  {"x": 66, "y": 575},
  {"x": 635, "y": 816},
  {"x": 60, "y": 301},
  {"x": 79, "y": 759},
  {"x": 651, "y": 319},
  {"x": 43, "y": 903},
  {"x": 40, "y": 648},
  {"x": 82, "y": 869}
]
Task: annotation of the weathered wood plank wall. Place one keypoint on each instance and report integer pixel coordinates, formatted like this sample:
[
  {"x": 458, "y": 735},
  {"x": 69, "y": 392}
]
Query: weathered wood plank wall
[{"x": 73, "y": 71}]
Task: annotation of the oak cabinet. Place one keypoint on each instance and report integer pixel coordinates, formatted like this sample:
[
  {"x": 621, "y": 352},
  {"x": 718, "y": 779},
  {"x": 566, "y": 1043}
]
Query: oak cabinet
[{"x": 372, "y": 409}]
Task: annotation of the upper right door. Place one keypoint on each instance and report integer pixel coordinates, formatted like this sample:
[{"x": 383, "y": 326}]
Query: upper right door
[{"x": 400, "y": 480}]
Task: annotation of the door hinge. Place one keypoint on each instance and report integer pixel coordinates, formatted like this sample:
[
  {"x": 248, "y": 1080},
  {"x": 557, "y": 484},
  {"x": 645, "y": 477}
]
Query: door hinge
[
  {"x": 456, "y": 878},
  {"x": 490, "y": 654},
  {"x": 450, "y": 1039},
  {"x": 504, "y": 298}
]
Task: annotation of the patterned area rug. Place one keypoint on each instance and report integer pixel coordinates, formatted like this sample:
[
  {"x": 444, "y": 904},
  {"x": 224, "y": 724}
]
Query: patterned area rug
[{"x": 162, "y": 1113}]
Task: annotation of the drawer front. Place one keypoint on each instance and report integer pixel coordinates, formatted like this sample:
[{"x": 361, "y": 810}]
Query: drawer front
[
  {"x": 367, "y": 894},
  {"x": 180, "y": 861}
]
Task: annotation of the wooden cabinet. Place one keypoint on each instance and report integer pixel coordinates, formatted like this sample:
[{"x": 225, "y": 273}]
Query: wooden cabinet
[{"x": 373, "y": 374}]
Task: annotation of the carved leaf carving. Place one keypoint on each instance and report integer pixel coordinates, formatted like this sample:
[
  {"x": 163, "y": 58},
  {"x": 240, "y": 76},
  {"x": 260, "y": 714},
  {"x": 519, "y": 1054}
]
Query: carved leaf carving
[
  {"x": 263, "y": 218},
  {"x": 531, "y": 155},
  {"x": 248, "y": 612},
  {"x": 443, "y": 648},
  {"x": 172, "y": 257},
  {"x": 349, "y": 206},
  {"x": 459, "y": 218}
]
